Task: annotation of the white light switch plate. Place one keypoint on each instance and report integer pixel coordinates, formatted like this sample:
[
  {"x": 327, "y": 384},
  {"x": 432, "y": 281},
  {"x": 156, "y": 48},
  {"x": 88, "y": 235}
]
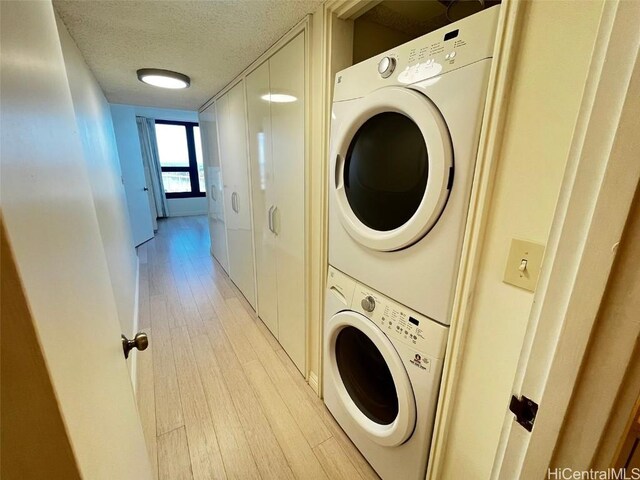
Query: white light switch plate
[{"x": 532, "y": 254}]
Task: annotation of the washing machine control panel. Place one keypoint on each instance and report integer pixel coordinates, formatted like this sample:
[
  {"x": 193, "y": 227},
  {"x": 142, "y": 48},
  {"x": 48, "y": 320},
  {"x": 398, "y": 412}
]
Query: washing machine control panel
[{"x": 396, "y": 320}]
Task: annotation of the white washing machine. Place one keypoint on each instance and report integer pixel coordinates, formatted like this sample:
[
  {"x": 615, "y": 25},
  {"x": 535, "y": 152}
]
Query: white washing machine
[
  {"x": 404, "y": 139},
  {"x": 382, "y": 369}
]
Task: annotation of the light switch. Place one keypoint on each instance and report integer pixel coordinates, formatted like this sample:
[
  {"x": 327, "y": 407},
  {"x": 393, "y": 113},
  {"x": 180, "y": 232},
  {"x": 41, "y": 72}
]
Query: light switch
[{"x": 523, "y": 264}]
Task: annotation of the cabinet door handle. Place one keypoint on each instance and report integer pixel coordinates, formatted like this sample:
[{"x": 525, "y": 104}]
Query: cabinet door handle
[
  {"x": 273, "y": 221},
  {"x": 234, "y": 202},
  {"x": 270, "y": 218},
  {"x": 237, "y": 204}
]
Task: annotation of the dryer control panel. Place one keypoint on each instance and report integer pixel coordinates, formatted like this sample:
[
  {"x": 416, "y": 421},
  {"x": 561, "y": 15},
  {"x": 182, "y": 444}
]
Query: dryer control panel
[{"x": 423, "y": 59}]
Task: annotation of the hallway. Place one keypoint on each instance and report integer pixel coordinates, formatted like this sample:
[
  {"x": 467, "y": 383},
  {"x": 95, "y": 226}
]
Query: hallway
[{"x": 217, "y": 395}]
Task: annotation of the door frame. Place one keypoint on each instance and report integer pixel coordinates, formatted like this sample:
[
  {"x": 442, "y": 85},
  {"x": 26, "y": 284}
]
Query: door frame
[
  {"x": 603, "y": 187},
  {"x": 507, "y": 42},
  {"x": 600, "y": 181}
]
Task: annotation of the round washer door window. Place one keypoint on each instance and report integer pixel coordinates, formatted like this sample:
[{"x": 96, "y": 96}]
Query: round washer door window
[
  {"x": 366, "y": 376},
  {"x": 370, "y": 379},
  {"x": 392, "y": 161}
]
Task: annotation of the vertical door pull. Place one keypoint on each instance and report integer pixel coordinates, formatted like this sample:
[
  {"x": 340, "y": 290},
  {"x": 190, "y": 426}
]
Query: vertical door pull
[
  {"x": 273, "y": 222},
  {"x": 234, "y": 202},
  {"x": 270, "y": 218}
]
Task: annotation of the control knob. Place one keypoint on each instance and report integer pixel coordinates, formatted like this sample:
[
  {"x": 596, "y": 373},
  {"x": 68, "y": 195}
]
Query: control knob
[
  {"x": 368, "y": 303},
  {"x": 386, "y": 66}
]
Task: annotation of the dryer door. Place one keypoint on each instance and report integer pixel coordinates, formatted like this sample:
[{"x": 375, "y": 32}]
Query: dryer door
[
  {"x": 370, "y": 379},
  {"x": 391, "y": 160}
]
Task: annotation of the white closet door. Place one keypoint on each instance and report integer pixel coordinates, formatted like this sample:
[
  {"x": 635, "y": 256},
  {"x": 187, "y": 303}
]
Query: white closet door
[
  {"x": 287, "y": 76},
  {"x": 215, "y": 193},
  {"x": 237, "y": 204},
  {"x": 264, "y": 199}
]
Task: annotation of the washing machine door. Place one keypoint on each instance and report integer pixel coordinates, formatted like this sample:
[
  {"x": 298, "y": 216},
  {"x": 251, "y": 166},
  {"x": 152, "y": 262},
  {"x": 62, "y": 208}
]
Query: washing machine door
[
  {"x": 370, "y": 379},
  {"x": 392, "y": 162}
]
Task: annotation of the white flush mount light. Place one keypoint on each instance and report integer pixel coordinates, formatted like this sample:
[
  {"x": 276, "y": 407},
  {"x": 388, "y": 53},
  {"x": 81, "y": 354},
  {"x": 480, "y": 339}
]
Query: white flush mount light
[
  {"x": 278, "y": 98},
  {"x": 163, "y": 78}
]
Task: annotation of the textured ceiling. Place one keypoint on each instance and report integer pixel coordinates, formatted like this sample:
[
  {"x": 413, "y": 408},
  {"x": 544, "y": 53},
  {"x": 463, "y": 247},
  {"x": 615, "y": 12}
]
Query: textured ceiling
[{"x": 211, "y": 41}]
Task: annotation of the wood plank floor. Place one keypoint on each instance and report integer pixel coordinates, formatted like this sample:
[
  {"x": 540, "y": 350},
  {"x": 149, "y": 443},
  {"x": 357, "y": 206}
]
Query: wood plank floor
[{"x": 217, "y": 395}]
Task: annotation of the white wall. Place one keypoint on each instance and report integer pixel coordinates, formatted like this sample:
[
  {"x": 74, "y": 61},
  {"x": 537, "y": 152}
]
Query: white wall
[
  {"x": 543, "y": 107},
  {"x": 127, "y": 134},
  {"x": 53, "y": 229},
  {"x": 101, "y": 157}
]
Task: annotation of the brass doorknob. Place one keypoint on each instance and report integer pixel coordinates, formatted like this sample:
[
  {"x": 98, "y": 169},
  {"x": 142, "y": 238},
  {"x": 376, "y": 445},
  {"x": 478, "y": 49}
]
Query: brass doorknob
[{"x": 140, "y": 341}]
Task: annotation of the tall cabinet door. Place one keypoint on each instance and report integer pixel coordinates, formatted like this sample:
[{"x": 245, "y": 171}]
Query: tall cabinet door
[
  {"x": 215, "y": 193},
  {"x": 287, "y": 76},
  {"x": 237, "y": 202},
  {"x": 264, "y": 197}
]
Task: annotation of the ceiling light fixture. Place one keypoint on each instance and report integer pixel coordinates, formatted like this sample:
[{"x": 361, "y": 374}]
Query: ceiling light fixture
[
  {"x": 278, "y": 98},
  {"x": 163, "y": 78}
]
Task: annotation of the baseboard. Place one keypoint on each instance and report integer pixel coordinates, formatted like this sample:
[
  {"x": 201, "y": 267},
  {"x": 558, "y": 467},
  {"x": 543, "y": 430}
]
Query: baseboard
[
  {"x": 313, "y": 383},
  {"x": 133, "y": 356},
  {"x": 188, "y": 214}
]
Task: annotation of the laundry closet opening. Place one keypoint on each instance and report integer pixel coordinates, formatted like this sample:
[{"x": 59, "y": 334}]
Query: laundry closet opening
[{"x": 394, "y": 22}]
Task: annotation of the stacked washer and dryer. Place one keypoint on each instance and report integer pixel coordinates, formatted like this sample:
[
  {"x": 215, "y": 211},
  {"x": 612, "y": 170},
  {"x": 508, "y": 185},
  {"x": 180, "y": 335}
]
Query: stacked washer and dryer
[{"x": 404, "y": 139}]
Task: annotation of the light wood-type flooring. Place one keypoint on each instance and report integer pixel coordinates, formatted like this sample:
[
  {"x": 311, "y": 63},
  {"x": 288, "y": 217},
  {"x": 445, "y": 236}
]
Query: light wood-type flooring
[{"x": 217, "y": 395}]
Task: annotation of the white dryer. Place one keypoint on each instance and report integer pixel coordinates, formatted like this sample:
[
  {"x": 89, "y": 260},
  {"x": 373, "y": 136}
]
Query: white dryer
[
  {"x": 404, "y": 139},
  {"x": 382, "y": 369}
]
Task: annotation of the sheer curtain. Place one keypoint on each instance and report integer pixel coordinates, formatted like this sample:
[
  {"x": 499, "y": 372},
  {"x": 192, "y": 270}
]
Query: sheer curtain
[{"x": 149, "y": 148}]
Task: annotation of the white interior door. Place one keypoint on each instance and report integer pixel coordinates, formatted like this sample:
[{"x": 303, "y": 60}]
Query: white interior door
[
  {"x": 287, "y": 76},
  {"x": 264, "y": 197},
  {"x": 237, "y": 202},
  {"x": 49, "y": 214},
  {"x": 133, "y": 176},
  {"x": 215, "y": 193}
]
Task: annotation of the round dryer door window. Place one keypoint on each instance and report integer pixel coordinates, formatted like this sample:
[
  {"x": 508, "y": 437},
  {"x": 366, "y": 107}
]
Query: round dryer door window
[
  {"x": 370, "y": 378},
  {"x": 386, "y": 171},
  {"x": 393, "y": 165}
]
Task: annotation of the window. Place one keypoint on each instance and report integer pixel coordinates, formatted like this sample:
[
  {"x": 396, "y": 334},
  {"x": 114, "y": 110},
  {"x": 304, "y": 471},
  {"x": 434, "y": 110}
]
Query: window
[{"x": 180, "y": 153}]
